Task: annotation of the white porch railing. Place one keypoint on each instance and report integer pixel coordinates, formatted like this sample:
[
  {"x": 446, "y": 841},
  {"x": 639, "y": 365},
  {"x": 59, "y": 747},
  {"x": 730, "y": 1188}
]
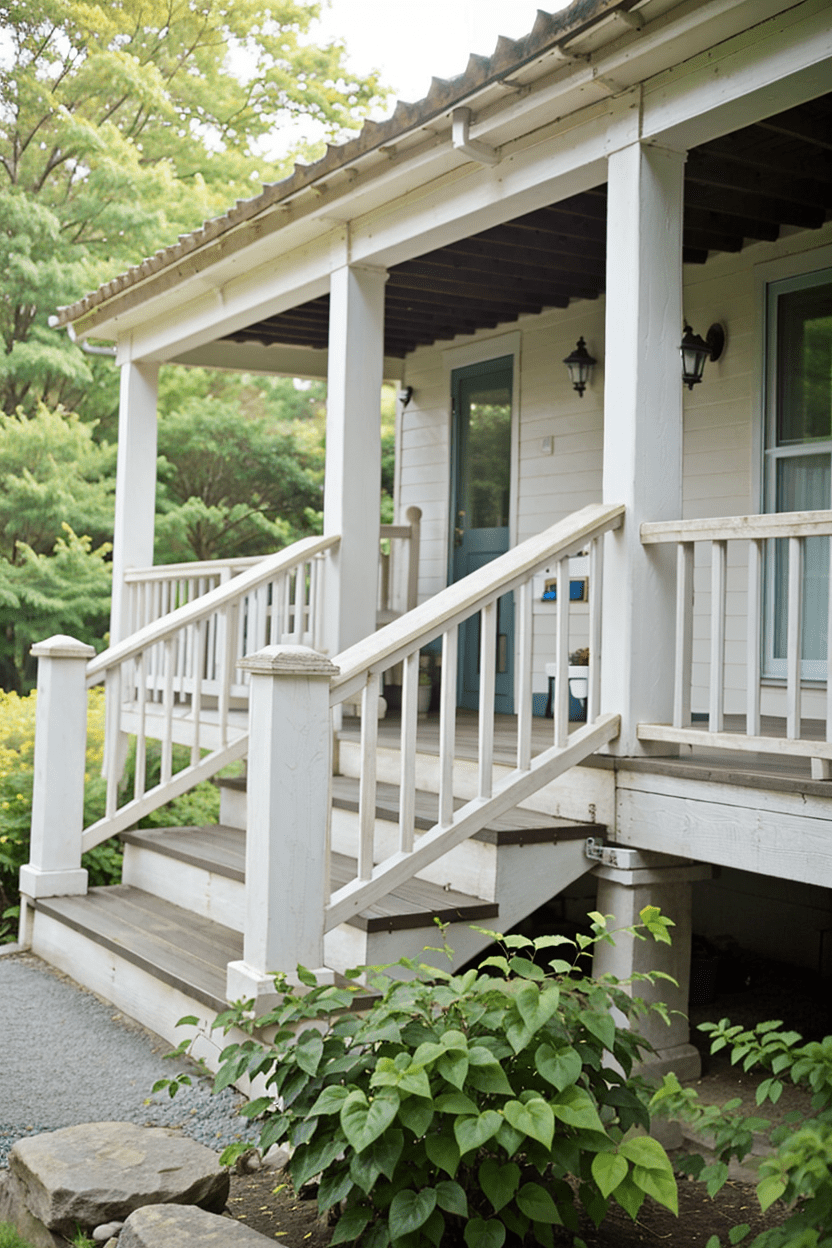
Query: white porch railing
[
  {"x": 362, "y": 667},
  {"x": 398, "y": 567},
  {"x": 176, "y": 678},
  {"x": 752, "y": 532}
]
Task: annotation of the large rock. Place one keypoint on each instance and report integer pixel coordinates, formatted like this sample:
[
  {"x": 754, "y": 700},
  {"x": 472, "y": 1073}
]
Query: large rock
[
  {"x": 101, "y": 1171},
  {"x": 13, "y": 1209},
  {"x": 162, "y": 1226}
]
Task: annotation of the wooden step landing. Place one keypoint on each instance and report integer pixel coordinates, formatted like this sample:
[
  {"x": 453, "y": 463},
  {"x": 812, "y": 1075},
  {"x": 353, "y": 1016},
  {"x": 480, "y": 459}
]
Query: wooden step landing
[
  {"x": 179, "y": 948},
  {"x": 221, "y": 850}
]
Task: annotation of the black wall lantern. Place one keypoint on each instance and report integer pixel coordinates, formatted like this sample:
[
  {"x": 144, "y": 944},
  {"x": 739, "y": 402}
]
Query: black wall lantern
[
  {"x": 579, "y": 363},
  {"x": 695, "y": 351}
]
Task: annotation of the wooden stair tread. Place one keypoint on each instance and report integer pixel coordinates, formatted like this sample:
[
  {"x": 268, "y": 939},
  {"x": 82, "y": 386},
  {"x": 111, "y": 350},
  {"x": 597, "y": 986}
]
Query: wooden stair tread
[
  {"x": 221, "y": 850},
  {"x": 181, "y": 948},
  {"x": 516, "y": 827}
]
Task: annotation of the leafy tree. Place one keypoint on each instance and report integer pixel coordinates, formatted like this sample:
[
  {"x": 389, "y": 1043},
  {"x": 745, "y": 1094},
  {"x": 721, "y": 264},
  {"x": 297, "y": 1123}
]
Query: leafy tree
[{"x": 122, "y": 125}]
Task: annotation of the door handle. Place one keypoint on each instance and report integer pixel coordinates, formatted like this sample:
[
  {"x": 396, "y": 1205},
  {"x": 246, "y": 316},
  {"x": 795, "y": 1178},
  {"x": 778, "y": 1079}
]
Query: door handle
[{"x": 459, "y": 531}]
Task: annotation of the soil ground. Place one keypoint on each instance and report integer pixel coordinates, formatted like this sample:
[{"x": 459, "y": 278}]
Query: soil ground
[{"x": 265, "y": 1201}]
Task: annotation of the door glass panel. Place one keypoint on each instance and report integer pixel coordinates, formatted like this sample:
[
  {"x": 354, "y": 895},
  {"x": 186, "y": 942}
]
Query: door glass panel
[
  {"x": 487, "y": 479},
  {"x": 798, "y": 479}
]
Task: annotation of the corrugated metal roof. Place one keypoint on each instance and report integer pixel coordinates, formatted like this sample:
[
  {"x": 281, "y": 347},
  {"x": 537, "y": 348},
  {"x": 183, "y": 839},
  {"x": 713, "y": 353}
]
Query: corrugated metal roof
[{"x": 509, "y": 56}]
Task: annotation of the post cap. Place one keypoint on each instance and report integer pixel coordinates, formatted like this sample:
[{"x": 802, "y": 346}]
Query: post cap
[
  {"x": 62, "y": 647},
  {"x": 288, "y": 660}
]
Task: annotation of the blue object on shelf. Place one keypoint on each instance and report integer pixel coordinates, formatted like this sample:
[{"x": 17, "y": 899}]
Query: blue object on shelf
[{"x": 577, "y": 591}]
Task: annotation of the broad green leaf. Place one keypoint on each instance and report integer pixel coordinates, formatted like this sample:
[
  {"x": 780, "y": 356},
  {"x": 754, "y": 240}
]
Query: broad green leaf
[
  {"x": 453, "y": 1066},
  {"x": 537, "y": 1204},
  {"x": 629, "y": 1196},
  {"x": 409, "y": 1210},
  {"x": 560, "y": 1067},
  {"x": 535, "y": 1118},
  {"x": 329, "y": 1102},
  {"x": 656, "y": 923},
  {"x": 472, "y": 1133},
  {"x": 416, "y": 1114},
  {"x": 427, "y": 1052},
  {"x": 601, "y": 1026},
  {"x": 335, "y": 1185},
  {"x": 576, "y": 1108},
  {"x": 351, "y": 1224},
  {"x": 308, "y": 1051},
  {"x": 536, "y": 1006},
  {"x": 453, "y": 1039},
  {"x": 364, "y": 1169},
  {"x": 608, "y": 1169},
  {"x": 455, "y": 1103},
  {"x": 769, "y": 1190},
  {"x": 509, "y": 1138},
  {"x": 443, "y": 1152},
  {"x": 376, "y": 1236},
  {"x": 311, "y": 1159},
  {"x": 499, "y": 1182},
  {"x": 433, "y": 1230},
  {"x": 451, "y": 1197},
  {"x": 363, "y": 1121},
  {"x": 480, "y": 1234},
  {"x": 659, "y": 1184},
  {"x": 491, "y": 1079},
  {"x": 526, "y": 969},
  {"x": 415, "y": 1081},
  {"x": 738, "y": 1233},
  {"x": 644, "y": 1151}
]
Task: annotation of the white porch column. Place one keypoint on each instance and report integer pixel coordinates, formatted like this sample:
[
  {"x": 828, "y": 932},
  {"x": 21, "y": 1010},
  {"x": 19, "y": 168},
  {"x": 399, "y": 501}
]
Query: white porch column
[
  {"x": 642, "y": 432},
  {"x": 286, "y": 835},
  {"x": 353, "y": 452},
  {"x": 54, "y": 868},
  {"x": 638, "y": 879},
  {"x": 135, "y": 483}
]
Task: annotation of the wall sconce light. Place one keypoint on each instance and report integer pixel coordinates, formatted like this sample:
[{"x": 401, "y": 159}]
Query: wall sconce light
[
  {"x": 580, "y": 364},
  {"x": 695, "y": 351},
  {"x": 405, "y": 395}
]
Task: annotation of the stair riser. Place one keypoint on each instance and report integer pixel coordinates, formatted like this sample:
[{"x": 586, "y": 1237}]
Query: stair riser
[
  {"x": 583, "y": 794},
  {"x": 469, "y": 868},
  {"x": 204, "y": 892}
]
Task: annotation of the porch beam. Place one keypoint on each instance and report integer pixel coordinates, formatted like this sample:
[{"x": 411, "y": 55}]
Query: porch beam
[
  {"x": 353, "y": 452},
  {"x": 135, "y": 504},
  {"x": 642, "y": 432}
]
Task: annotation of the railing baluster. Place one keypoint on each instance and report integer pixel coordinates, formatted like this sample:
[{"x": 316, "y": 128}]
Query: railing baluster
[
  {"x": 285, "y": 629},
  {"x": 794, "y": 638},
  {"x": 753, "y": 640},
  {"x": 488, "y": 679},
  {"x": 167, "y": 730},
  {"x": 716, "y": 708},
  {"x": 367, "y": 783},
  {"x": 447, "y": 725},
  {"x": 112, "y": 721},
  {"x": 596, "y": 602},
  {"x": 229, "y": 629},
  {"x": 683, "y": 668},
  {"x": 198, "y": 658},
  {"x": 822, "y": 767},
  {"x": 407, "y": 782},
  {"x": 523, "y": 600},
  {"x": 561, "y": 708},
  {"x": 297, "y": 631},
  {"x": 140, "y": 779}
]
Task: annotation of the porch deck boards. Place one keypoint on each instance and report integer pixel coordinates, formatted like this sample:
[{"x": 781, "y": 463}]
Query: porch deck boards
[
  {"x": 695, "y": 762},
  {"x": 176, "y": 946}
]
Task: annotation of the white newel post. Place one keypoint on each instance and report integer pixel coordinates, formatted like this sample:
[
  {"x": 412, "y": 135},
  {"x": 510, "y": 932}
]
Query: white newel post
[
  {"x": 353, "y": 452},
  {"x": 286, "y": 837},
  {"x": 135, "y": 484},
  {"x": 637, "y": 879},
  {"x": 54, "y": 868},
  {"x": 642, "y": 433}
]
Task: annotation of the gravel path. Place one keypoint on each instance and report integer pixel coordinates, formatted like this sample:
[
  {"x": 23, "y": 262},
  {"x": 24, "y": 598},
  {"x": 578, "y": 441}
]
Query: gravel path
[{"x": 68, "y": 1057}]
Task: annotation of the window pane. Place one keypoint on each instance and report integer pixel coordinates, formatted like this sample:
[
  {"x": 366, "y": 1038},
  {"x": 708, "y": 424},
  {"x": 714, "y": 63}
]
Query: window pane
[
  {"x": 804, "y": 365},
  {"x": 488, "y": 479},
  {"x": 803, "y": 484}
]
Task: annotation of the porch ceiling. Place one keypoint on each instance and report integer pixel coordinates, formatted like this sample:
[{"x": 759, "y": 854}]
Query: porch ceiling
[{"x": 742, "y": 187}]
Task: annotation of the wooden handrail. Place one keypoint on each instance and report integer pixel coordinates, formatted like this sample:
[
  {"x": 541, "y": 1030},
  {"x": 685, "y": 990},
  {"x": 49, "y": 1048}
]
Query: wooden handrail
[
  {"x": 739, "y": 528},
  {"x": 192, "y": 612}
]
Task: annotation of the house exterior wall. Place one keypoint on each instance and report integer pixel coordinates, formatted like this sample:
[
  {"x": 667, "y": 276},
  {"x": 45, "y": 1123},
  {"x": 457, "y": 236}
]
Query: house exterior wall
[{"x": 722, "y": 440}]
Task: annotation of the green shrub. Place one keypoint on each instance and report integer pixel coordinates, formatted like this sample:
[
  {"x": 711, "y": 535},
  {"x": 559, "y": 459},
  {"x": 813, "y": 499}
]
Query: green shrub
[
  {"x": 470, "y": 1107},
  {"x": 11, "y": 1238},
  {"x": 798, "y": 1172}
]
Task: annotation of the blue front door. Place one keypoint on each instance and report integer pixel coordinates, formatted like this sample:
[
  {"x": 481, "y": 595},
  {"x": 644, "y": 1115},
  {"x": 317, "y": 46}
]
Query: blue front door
[{"x": 480, "y": 497}]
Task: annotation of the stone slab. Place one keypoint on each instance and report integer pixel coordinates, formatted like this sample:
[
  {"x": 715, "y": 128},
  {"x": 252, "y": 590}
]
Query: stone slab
[
  {"x": 160, "y": 1226},
  {"x": 13, "y": 1210},
  {"x": 101, "y": 1171}
]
